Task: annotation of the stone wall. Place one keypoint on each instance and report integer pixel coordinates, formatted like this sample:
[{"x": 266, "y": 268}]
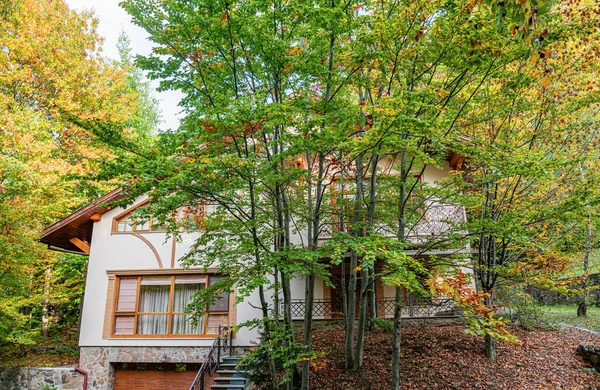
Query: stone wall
[
  {"x": 546, "y": 297},
  {"x": 27, "y": 378},
  {"x": 98, "y": 361}
]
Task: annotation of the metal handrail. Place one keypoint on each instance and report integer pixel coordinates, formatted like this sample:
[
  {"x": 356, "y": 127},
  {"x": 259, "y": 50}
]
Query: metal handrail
[{"x": 222, "y": 346}]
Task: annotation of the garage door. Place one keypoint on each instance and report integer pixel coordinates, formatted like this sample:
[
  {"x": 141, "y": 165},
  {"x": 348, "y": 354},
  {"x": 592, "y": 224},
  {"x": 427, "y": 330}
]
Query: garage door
[{"x": 149, "y": 377}]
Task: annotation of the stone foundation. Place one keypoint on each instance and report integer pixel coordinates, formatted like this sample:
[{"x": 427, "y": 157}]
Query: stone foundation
[
  {"x": 98, "y": 361},
  {"x": 26, "y": 378}
]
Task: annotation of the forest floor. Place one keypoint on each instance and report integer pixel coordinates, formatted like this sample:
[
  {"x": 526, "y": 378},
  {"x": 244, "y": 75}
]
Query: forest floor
[
  {"x": 449, "y": 358},
  {"x": 54, "y": 351}
]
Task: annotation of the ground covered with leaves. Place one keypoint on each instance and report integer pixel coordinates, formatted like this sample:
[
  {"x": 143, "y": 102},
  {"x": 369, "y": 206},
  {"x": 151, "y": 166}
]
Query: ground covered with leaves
[{"x": 448, "y": 358}]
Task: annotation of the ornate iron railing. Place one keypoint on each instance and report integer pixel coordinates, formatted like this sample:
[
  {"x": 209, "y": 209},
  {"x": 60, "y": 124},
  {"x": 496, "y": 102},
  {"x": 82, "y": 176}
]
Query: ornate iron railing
[
  {"x": 321, "y": 308},
  {"x": 412, "y": 307},
  {"x": 436, "y": 219},
  {"x": 418, "y": 307},
  {"x": 222, "y": 346}
]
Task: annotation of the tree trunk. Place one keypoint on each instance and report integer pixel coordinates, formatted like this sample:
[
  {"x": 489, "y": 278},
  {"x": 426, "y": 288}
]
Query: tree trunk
[
  {"x": 351, "y": 312},
  {"x": 490, "y": 347},
  {"x": 267, "y": 334},
  {"x": 362, "y": 320},
  {"x": 396, "y": 340},
  {"x": 46, "y": 301},
  {"x": 372, "y": 301},
  {"x": 398, "y": 295},
  {"x": 490, "y": 342},
  {"x": 582, "y": 308},
  {"x": 309, "y": 295}
]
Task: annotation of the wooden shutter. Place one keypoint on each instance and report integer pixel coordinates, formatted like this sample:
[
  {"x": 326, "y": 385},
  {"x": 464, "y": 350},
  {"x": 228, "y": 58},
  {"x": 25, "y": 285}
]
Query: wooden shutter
[{"x": 222, "y": 303}]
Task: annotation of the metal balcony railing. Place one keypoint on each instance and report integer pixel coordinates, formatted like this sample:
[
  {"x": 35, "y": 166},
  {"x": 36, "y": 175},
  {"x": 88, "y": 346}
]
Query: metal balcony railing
[{"x": 434, "y": 219}]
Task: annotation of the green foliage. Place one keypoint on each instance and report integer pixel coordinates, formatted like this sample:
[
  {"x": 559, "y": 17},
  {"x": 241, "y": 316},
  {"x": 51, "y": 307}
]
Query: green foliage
[
  {"x": 521, "y": 308},
  {"x": 278, "y": 349},
  {"x": 383, "y": 324}
]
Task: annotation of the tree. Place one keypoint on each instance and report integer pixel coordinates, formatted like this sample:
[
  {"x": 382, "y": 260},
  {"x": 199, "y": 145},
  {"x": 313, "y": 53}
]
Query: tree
[
  {"x": 51, "y": 72},
  {"x": 288, "y": 101},
  {"x": 532, "y": 128}
]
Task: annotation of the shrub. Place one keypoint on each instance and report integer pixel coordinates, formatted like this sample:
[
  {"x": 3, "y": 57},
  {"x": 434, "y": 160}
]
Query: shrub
[
  {"x": 521, "y": 308},
  {"x": 383, "y": 323}
]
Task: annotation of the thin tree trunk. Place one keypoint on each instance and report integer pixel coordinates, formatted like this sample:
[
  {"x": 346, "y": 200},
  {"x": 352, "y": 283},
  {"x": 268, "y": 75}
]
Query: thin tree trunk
[
  {"x": 356, "y": 231},
  {"x": 267, "y": 334},
  {"x": 490, "y": 342},
  {"x": 365, "y": 271},
  {"x": 396, "y": 339},
  {"x": 362, "y": 320},
  {"x": 398, "y": 297},
  {"x": 372, "y": 300},
  {"x": 351, "y": 312},
  {"x": 582, "y": 308},
  {"x": 46, "y": 301}
]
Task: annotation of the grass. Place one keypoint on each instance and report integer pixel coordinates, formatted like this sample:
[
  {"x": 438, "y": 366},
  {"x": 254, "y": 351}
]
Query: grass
[{"x": 568, "y": 315}]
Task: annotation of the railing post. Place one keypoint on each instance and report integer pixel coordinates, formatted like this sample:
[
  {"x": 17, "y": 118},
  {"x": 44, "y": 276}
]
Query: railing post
[
  {"x": 219, "y": 346},
  {"x": 202, "y": 381},
  {"x": 230, "y": 342}
]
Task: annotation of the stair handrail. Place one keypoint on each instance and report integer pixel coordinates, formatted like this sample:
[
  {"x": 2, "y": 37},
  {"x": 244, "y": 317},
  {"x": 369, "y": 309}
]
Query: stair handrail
[{"x": 221, "y": 347}]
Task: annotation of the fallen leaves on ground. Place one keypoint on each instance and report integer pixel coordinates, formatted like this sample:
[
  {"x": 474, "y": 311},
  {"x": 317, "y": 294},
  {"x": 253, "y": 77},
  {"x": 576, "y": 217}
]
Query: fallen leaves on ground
[{"x": 448, "y": 358}]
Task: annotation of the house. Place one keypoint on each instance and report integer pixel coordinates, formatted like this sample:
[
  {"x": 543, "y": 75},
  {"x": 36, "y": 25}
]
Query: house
[{"x": 133, "y": 325}]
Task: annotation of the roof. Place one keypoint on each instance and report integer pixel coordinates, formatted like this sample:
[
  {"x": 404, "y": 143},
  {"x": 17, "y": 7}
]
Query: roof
[{"x": 79, "y": 224}]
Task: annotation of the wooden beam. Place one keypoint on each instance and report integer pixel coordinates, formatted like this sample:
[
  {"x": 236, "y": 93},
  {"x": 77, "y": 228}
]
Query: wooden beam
[
  {"x": 84, "y": 246},
  {"x": 96, "y": 217},
  {"x": 456, "y": 160}
]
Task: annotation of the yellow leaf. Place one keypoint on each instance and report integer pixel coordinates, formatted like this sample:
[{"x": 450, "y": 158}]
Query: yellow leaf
[
  {"x": 545, "y": 82},
  {"x": 535, "y": 57}
]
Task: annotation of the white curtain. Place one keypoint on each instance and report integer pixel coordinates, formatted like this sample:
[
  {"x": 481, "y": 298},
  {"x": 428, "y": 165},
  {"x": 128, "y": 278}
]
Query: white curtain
[
  {"x": 153, "y": 298},
  {"x": 183, "y": 323}
]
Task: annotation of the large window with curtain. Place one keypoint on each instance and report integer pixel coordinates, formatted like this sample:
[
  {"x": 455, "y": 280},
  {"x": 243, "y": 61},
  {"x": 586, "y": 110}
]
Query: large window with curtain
[{"x": 154, "y": 306}]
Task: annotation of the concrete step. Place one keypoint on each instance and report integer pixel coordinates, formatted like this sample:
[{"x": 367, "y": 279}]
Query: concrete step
[
  {"x": 228, "y": 387},
  {"x": 228, "y": 372},
  {"x": 232, "y": 380},
  {"x": 231, "y": 359},
  {"x": 228, "y": 366}
]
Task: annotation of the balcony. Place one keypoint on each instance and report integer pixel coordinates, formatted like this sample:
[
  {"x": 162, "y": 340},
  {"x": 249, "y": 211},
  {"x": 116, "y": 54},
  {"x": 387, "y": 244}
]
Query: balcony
[{"x": 434, "y": 220}]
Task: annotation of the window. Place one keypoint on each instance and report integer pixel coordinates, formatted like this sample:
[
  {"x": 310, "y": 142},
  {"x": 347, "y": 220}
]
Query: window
[
  {"x": 129, "y": 224},
  {"x": 132, "y": 222},
  {"x": 148, "y": 306}
]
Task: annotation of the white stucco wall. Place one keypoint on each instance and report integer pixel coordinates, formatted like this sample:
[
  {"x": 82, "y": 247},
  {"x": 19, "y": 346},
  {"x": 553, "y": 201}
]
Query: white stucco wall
[{"x": 118, "y": 251}]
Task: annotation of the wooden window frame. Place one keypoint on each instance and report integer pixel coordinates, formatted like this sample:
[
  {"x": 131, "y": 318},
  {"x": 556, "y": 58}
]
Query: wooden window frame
[
  {"x": 169, "y": 313},
  {"x": 126, "y": 213}
]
